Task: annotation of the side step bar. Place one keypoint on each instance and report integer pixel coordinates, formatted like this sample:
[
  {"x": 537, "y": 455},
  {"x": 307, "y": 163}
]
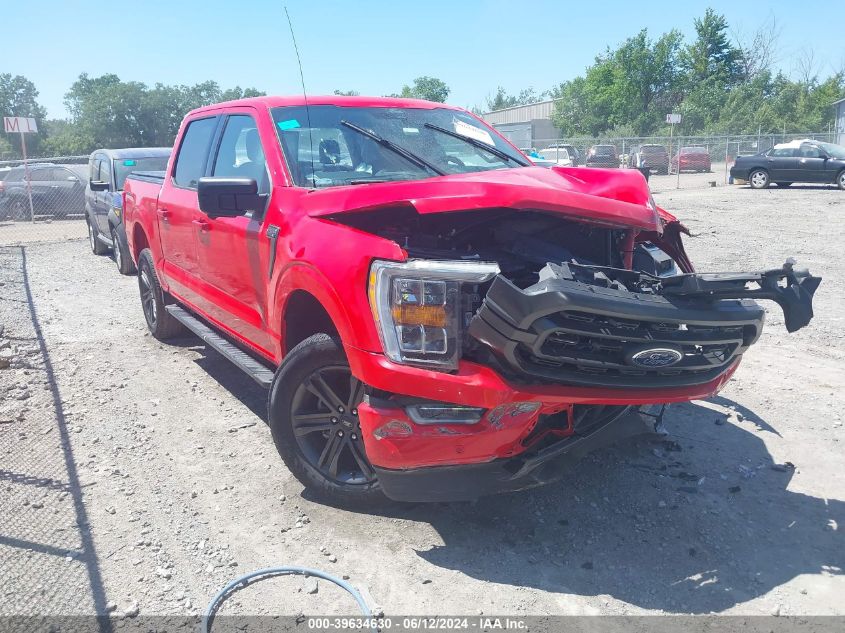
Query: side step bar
[{"x": 246, "y": 363}]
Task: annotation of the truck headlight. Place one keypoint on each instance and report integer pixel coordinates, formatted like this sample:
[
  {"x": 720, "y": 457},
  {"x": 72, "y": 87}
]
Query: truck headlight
[{"x": 417, "y": 308}]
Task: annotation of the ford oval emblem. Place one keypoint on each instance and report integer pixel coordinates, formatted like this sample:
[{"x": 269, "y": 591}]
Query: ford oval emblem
[{"x": 656, "y": 357}]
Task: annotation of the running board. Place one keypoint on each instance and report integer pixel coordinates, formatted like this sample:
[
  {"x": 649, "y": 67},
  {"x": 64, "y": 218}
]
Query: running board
[{"x": 246, "y": 363}]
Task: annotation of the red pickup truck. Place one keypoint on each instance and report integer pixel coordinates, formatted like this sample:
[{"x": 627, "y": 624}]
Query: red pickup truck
[{"x": 435, "y": 317}]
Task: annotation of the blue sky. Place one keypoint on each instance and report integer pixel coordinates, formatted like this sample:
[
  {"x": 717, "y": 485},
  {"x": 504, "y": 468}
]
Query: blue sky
[{"x": 373, "y": 47}]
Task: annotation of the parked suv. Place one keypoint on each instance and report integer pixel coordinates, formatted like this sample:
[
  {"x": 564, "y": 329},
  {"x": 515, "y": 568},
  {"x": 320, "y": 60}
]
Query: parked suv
[
  {"x": 652, "y": 157},
  {"x": 602, "y": 156},
  {"x": 58, "y": 192},
  {"x": 431, "y": 325},
  {"x": 108, "y": 169}
]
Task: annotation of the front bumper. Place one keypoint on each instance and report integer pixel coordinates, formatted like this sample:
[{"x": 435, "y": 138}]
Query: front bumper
[
  {"x": 531, "y": 469},
  {"x": 507, "y": 426}
]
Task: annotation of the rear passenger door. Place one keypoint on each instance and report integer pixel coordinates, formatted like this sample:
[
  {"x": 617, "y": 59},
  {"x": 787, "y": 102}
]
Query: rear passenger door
[
  {"x": 43, "y": 196},
  {"x": 178, "y": 207},
  {"x": 783, "y": 165},
  {"x": 233, "y": 272}
]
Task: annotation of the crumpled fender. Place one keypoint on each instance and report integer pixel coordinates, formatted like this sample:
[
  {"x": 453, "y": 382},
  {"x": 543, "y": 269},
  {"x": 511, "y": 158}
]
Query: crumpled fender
[{"x": 670, "y": 239}]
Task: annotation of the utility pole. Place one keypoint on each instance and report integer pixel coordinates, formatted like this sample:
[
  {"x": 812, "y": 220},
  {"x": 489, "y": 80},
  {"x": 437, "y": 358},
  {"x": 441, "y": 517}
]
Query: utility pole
[{"x": 27, "y": 176}]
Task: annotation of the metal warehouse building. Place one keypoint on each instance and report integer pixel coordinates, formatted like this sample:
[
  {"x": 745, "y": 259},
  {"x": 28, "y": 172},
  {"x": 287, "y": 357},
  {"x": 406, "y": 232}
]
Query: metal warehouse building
[
  {"x": 525, "y": 126},
  {"x": 840, "y": 121}
]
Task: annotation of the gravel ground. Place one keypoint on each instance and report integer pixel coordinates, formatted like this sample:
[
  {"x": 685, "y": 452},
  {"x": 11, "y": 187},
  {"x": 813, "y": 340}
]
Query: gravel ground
[{"x": 140, "y": 477}]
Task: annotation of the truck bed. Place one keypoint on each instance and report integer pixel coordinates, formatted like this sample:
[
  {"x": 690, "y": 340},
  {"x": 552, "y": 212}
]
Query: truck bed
[{"x": 148, "y": 176}]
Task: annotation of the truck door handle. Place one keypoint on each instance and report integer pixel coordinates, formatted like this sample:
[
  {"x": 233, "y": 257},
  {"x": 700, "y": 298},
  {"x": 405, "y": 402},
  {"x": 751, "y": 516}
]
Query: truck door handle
[
  {"x": 202, "y": 225},
  {"x": 164, "y": 214}
]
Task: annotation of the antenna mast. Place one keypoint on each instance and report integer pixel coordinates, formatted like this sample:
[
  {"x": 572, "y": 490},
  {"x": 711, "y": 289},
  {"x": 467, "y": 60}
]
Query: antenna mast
[{"x": 304, "y": 94}]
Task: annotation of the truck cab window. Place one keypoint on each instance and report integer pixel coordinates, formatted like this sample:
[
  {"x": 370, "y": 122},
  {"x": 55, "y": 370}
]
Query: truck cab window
[
  {"x": 240, "y": 154},
  {"x": 190, "y": 161},
  {"x": 105, "y": 172}
]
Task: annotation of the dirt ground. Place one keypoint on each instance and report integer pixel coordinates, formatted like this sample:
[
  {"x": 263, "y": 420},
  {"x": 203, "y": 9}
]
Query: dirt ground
[{"x": 141, "y": 477}]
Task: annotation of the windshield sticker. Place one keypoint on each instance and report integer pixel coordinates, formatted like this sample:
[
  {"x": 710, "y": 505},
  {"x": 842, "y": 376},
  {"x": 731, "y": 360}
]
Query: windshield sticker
[
  {"x": 473, "y": 132},
  {"x": 129, "y": 163},
  {"x": 411, "y": 130},
  {"x": 290, "y": 124}
]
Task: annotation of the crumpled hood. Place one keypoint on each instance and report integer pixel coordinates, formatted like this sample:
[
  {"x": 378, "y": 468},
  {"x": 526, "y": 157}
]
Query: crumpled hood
[{"x": 616, "y": 197}]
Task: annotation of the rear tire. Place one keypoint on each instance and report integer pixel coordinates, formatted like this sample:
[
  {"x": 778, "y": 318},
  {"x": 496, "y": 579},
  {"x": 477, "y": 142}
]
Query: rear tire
[
  {"x": 161, "y": 324},
  {"x": 312, "y": 409},
  {"x": 18, "y": 210},
  {"x": 97, "y": 247},
  {"x": 122, "y": 258},
  {"x": 759, "y": 179}
]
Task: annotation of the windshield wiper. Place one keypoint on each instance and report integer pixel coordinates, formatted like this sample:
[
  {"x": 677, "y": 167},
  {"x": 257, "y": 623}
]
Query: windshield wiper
[
  {"x": 397, "y": 149},
  {"x": 368, "y": 181},
  {"x": 479, "y": 144}
]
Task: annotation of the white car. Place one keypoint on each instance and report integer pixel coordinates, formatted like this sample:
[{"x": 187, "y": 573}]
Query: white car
[{"x": 558, "y": 155}]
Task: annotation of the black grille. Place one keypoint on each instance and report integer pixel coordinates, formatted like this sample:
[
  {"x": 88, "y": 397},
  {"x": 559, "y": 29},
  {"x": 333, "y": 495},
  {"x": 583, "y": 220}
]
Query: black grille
[
  {"x": 600, "y": 344},
  {"x": 581, "y": 335}
]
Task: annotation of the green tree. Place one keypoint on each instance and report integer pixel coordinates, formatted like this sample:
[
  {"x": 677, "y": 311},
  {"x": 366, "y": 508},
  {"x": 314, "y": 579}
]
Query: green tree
[
  {"x": 712, "y": 66},
  {"x": 634, "y": 85},
  {"x": 428, "y": 88},
  {"x": 712, "y": 55},
  {"x": 65, "y": 139},
  {"x": 108, "y": 112},
  {"x": 19, "y": 97},
  {"x": 347, "y": 93},
  {"x": 501, "y": 99}
]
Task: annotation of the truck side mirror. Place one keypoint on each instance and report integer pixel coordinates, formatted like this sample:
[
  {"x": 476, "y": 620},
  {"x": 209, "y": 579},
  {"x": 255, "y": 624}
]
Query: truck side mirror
[
  {"x": 98, "y": 185},
  {"x": 228, "y": 197}
]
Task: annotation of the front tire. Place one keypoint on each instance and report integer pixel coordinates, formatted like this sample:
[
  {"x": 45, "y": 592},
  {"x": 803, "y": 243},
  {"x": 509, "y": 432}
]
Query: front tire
[
  {"x": 313, "y": 417},
  {"x": 160, "y": 322},
  {"x": 758, "y": 179}
]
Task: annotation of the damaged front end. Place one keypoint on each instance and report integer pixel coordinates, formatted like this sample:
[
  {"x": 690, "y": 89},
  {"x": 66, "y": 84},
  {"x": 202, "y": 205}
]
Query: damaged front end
[
  {"x": 611, "y": 327},
  {"x": 515, "y": 341}
]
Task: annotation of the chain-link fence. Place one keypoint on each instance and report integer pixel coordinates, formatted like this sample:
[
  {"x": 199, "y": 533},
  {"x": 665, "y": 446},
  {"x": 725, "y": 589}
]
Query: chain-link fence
[
  {"x": 43, "y": 199},
  {"x": 46, "y": 199},
  {"x": 673, "y": 161}
]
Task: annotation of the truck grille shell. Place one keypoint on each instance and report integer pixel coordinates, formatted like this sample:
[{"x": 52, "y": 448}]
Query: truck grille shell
[{"x": 565, "y": 331}]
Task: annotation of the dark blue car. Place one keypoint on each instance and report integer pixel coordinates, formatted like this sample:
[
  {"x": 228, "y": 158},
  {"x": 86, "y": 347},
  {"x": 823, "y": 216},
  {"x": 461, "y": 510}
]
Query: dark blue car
[{"x": 797, "y": 161}]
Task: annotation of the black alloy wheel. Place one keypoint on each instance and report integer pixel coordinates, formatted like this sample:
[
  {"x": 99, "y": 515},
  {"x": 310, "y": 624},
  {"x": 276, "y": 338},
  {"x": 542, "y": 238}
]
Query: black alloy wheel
[{"x": 324, "y": 417}]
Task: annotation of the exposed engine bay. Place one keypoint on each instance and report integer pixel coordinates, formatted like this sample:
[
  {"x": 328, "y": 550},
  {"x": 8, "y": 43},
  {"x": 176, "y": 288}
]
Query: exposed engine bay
[
  {"x": 521, "y": 242},
  {"x": 586, "y": 304}
]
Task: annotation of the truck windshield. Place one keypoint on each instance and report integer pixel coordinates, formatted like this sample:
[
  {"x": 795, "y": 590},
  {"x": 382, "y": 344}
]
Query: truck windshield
[
  {"x": 125, "y": 166},
  {"x": 331, "y": 152}
]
